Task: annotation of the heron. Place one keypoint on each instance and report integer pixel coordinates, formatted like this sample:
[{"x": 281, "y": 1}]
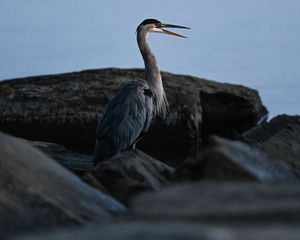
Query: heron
[{"x": 130, "y": 112}]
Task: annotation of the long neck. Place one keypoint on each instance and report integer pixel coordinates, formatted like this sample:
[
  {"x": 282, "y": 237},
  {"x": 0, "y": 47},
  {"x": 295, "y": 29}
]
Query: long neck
[{"x": 153, "y": 76}]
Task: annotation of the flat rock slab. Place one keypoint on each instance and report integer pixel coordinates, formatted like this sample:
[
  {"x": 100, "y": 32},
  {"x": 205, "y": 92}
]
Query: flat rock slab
[
  {"x": 160, "y": 230},
  {"x": 132, "y": 172},
  {"x": 225, "y": 159},
  {"x": 37, "y": 193},
  {"x": 234, "y": 203},
  {"x": 279, "y": 138},
  {"x": 70, "y": 159},
  {"x": 65, "y": 109}
]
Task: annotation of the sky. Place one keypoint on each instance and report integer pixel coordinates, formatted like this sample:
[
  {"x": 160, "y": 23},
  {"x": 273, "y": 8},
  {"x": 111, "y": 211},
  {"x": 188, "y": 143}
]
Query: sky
[{"x": 253, "y": 43}]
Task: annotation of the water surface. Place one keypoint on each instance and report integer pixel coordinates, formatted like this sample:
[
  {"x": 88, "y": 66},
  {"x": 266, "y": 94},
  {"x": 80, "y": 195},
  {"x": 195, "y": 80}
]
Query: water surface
[{"x": 254, "y": 43}]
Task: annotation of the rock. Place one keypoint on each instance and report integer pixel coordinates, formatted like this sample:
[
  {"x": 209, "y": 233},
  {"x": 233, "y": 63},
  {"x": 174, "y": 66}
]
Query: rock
[
  {"x": 233, "y": 160},
  {"x": 69, "y": 107},
  {"x": 78, "y": 163},
  {"x": 72, "y": 160},
  {"x": 162, "y": 230},
  {"x": 122, "y": 176},
  {"x": 132, "y": 172},
  {"x": 230, "y": 110},
  {"x": 92, "y": 181},
  {"x": 201, "y": 210},
  {"x": 37, "y": 193},
  {"x": 279, "y": 138},
  {"x": 227, "y": 203}
]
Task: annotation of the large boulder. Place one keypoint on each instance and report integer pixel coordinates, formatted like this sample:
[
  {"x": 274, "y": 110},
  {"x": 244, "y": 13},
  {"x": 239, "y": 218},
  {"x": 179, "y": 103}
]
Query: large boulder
[
  {"x": 132, "y": 172},
  {"x": 279, "y": 138},
  {"x": 226, "y": 159},
  {"x": 37, "y": 193},
  {"x": 65, "y": 109},
  {"x": 227, "y": 203}
]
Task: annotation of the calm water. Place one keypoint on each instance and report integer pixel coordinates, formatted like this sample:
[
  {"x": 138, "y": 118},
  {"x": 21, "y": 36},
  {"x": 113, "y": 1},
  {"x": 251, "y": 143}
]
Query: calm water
[{"x": 254, "y": 43}]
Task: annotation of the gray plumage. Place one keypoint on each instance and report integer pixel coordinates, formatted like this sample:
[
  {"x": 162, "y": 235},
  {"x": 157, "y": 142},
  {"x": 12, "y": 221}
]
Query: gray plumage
[{"x": 129, "y": 114}]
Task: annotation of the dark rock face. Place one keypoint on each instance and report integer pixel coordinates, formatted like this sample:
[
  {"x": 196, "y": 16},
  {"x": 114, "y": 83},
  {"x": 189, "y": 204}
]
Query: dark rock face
[
  {"x": 65, "y": 109},
  {"x": 229, "y": 203},
  {"x": 229, "y": 110},
  {"x": 279, "y": 138},
  {"x": 235, "y": 161},
  {"x": 132, "y": 172},
  {"x": 37, "y": 193}
]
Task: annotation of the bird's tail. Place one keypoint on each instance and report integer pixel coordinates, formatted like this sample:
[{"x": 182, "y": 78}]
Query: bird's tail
[{"x": 102, "y": 152}]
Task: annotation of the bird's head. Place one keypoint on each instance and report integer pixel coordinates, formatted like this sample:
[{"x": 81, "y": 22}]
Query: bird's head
[{"x": 153, "y": 25}]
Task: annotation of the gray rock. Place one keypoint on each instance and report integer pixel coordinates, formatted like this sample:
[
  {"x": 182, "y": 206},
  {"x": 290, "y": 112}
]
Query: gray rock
[
  {"x": 279, "y": 138},
  {"x": 65, "y": 109},
  {"x": 227, "y": 203},
  {"x": 37, "y": 193},
  {"x": 163, "y": 230},
  {"x": 234, "y": 160},
  {"x": 132, "y": 172}
]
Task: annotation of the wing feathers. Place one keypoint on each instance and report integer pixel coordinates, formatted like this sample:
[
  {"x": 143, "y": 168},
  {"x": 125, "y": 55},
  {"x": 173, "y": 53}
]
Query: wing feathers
[{"x": 127, "y": 116}]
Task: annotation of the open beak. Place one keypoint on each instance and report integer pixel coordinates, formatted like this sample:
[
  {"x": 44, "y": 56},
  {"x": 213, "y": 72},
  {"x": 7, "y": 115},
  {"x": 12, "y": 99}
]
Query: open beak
[{"x": 163, "y": 25}]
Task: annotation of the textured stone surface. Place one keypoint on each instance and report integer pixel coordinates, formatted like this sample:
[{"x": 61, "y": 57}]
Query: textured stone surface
[
  {"x": 229, "y": 110},
  {"x": 37, "y": 193},
  {"x": 65, "y": 109},
  {"x": 279, "y": 138},
  {"x": 132, "y": 172},
  {"x": 234, "y": 160}
]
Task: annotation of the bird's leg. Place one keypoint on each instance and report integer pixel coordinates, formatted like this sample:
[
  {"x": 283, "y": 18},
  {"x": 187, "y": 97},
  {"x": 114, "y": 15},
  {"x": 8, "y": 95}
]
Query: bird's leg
[{"x": 133, "y": 147}]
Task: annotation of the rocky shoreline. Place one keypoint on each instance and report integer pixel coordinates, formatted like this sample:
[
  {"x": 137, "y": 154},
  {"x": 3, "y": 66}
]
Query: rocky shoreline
[{"x": 214, "y": 169}]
